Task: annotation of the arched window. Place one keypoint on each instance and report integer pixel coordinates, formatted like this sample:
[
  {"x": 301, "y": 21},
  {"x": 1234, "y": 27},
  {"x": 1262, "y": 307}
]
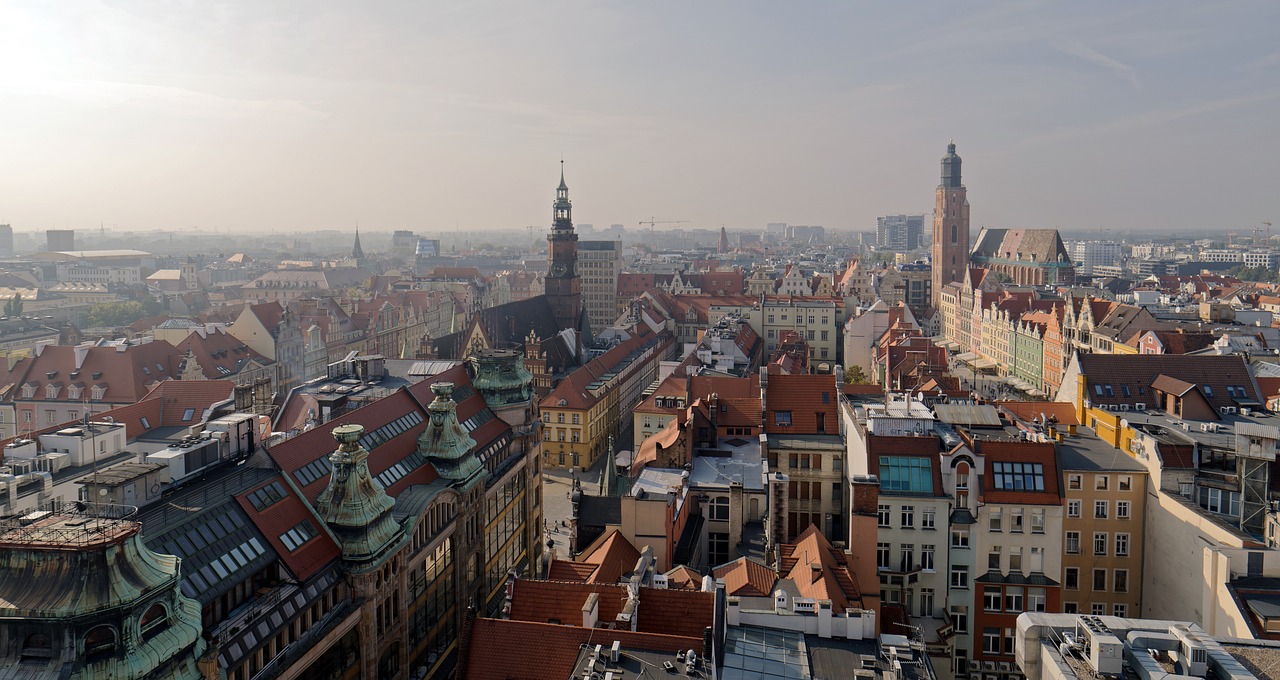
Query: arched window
[
  {"x": 955, "y": 233},
  {"x": 100, "y": 643},
  {"x": 37, "y": 648},
  {"x": 153, "y": 620}
]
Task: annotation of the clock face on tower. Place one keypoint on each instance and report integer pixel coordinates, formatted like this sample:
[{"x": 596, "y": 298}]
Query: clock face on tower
[{"x": 558, "y": 269}]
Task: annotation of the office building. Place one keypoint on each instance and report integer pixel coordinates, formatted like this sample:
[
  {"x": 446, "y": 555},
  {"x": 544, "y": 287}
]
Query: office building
[
  {"x": 59, "y": 240},
  {"x": 900, "y": 232},
  {"x": 599, "y": 263}
]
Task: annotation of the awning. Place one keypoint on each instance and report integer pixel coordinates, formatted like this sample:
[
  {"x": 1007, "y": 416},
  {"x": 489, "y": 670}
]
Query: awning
[
  {"x": 949, "y": 344},
  {"x": 984, "y": 364},
  {"x": 1034, "y": 393},
  {"x": 966, "y": 357}
]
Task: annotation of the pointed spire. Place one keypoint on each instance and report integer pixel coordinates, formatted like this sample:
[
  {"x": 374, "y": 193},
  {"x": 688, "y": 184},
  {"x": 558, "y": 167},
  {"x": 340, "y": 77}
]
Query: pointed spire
[
  {"x": 562, "y": 184},
  {"x": 357, "y": 253}
]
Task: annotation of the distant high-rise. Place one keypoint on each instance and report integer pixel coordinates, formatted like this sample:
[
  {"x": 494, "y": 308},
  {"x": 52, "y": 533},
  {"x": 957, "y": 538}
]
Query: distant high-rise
[
  {"x": 950, "y": 227},
  {"x": 60, "y": 240},
  {"x": 599, "y": 263},
  {"x": 6, "y": 240},
  {"x": 899, "y": 232}
]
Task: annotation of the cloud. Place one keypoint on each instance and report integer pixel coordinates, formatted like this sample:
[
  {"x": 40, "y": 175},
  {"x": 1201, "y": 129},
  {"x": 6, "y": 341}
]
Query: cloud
[
  {"x": 1118, "y": 68},
  {"x": 164, "y": 99}
]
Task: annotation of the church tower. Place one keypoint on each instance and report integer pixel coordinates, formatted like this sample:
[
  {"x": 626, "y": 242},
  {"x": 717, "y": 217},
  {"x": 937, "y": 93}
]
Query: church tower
[
  {"x": 950, "y": 227},
  {"x": 562, "y": 286}
]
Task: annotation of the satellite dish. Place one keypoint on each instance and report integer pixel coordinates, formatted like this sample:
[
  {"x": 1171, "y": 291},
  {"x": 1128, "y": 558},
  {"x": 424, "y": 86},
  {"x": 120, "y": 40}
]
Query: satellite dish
[{"x": 102, "y": 492}]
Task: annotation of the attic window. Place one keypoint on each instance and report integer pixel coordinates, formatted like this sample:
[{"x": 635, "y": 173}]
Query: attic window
[
  {"x": 51, "y": 375},
  {"x": 782, "y": 418},
  {"x": 1208, "y": 391},
  {"x": 146, "y": 371},
  {"x": 187, "y": 414},
  {"x": 297, "y": 536},
  {"x": 146, "y": 423},
  {"x": 159, "y": 368},
  {"x": 97, "y": 375}
]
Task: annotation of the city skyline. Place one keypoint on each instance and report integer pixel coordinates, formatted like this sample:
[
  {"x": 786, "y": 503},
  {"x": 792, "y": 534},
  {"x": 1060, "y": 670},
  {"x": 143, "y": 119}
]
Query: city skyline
[{"x": 248, "y": 117}]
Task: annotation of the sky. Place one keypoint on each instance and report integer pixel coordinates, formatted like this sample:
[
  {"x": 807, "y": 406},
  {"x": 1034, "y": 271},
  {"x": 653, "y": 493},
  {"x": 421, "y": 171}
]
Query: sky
[{"x": 454, "y": 116}]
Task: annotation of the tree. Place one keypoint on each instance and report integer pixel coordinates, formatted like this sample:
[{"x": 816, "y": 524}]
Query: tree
[
  {"x": 854, "y": 375},
  {"x": 14, "y": 306}
]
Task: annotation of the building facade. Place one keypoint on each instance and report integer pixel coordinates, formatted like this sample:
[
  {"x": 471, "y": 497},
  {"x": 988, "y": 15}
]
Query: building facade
[{"x": 599, "y": 263}]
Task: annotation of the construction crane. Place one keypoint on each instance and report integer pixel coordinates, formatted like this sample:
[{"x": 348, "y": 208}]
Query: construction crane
[
  {"x": 1268, "y": 242},
  {"x": 653, "y": 220}
]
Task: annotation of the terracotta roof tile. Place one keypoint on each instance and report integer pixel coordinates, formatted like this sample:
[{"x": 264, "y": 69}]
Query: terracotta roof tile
[
  {"x": 804, "y": 396},
  {"x": 502, "y": 649},
  {"x": 745, "y": 577}
]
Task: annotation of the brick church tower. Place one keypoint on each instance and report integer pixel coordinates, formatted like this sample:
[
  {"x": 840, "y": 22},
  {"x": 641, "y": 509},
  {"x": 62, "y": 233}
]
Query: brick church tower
[
  {"x": 563, "y": 288},
  {"x": 950, "y": 227}
]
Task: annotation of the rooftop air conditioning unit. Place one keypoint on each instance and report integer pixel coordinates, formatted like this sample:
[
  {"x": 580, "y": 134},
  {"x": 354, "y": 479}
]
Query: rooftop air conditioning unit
[
  {"x": 989, "y": 665},
  {"x": 975, "y": 665},
  {"x": 1124, "y": 407},
  {"x": 1005, "y": 667},
  {"x": 1142, "y": 406}
]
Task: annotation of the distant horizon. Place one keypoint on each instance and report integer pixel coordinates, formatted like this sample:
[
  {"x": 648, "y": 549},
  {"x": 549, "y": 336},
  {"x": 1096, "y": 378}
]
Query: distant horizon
[{"x": 253, "y": 116}]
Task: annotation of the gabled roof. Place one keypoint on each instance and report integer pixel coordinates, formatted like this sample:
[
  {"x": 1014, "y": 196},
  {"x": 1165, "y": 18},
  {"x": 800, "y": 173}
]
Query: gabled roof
[
  {"x": 819, "y": 571},
  {"x": 745, "y": 577},
  {"x": 676, "y": 612},
  {"x": 1133, "y": 371},
  {"x": 179, "y": 396},
  {"x": 605, "y": 561}
]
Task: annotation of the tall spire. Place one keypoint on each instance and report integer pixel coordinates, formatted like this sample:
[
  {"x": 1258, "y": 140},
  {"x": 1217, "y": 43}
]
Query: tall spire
[
  {"x": 357, "y": 253},
  {"x": 562, "y": 209}
]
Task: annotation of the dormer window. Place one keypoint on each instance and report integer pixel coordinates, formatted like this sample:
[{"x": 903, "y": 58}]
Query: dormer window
[
  {"x": 1208, "y": 391},
  {"x": 73, "y": 392},
  {"x": 28, "y": 391},
  {"x": 51, "y": 391},
  {"x": 98, "y": 392}
]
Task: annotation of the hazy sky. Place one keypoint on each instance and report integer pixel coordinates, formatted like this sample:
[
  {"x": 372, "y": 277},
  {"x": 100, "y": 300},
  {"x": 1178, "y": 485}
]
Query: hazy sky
[{"x": 263, "y": 115}]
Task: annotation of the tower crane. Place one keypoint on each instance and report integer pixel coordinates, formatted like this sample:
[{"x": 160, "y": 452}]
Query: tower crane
[{"x": 652, "y": 221}]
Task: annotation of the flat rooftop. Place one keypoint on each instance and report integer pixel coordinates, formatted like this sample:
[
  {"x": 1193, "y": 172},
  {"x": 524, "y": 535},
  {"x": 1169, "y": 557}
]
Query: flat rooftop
[
  {"x": 42, "y": 529},
  {"x": 735, "y": 459},
  {"x": 1085, "y": 451}
]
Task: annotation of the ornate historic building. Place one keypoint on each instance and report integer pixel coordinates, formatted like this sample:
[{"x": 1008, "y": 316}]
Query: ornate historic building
[
  {"x": 563, "y": 286},
  {"x": 950, "y": 227}
]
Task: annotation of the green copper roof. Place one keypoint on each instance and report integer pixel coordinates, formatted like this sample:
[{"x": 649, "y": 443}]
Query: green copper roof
[
  {"x": 446, "y": 444},
  {"x": 501, "y": 377},
  {"x": 354, "y": 505}
]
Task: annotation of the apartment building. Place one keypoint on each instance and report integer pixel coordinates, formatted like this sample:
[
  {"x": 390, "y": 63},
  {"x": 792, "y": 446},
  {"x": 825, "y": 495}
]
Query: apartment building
[
  {"x": 1105, "y": 503},
  {"x": 802, "y": 443},
  {"x": 586, "y": 410}
]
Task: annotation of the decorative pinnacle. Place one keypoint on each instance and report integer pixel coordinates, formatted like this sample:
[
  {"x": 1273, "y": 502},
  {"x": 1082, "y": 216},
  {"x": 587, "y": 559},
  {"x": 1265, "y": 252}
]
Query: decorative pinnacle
[
  {"x": 348, "y": 437},
  {"x": 443, "y": 390}
]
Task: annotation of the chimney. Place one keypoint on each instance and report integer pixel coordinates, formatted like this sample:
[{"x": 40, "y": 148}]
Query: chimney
[
  {"x": 591, "y": 611},
  {"x": 866, "y": 495},
  {"x": 736, "y": 520}
]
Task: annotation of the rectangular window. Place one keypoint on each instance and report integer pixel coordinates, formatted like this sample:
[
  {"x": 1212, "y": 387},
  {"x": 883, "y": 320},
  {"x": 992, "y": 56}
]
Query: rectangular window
[
  {"x": 1073, "y": 508},
  {"x": 926, "y": 557},
  {"x": 1070, "y": 608},
  {"x": 1071, "y": 578},
  {"x": 1037, "y": 521},
  {"x": 882, "y": 515},
  {"x": 1100, "y": 482},
  {"x": 1100, "y": 509},
  {"x": 1099, "y": 543},
  {"x": 1126, "y": 483},
  {"x": 1122, "y": 509},
  {"x": 1099, "y": 580},
  {"x": 1013, "y": 598},
  {"x": 928, "y": 518},
  {"x": 995, "y": 518},
  {"x": 993, "y": 558},
  {"x": 882, "y": 555},
  {"x": 1036, "y": 599},
  {"x": 1015, "y": 520},
  {"x": 991, "y": 598},
  {"x": 301, "y": 533},
  {"x": 959, "y": 576},
  {"x": 959, "y": 538},
  {"x": 1121, "y": 581},
  {"x": 991, "y": 640},
  {"x": 1018, "y": 476},
  {"x": 1074, "y": 482},
  {"x": 960, "y": 618},
  {"x": 1098, "y": 609},
  {"x": 907, "y": 561},
  {"x": 782, "y": 418},
  {"x": 908, "y": 474},
  {"x": 908, "y": 516},
  {"x": 1015, "y": 560},
  {"x": 1122, "y": 545},
  {"x": 1120, "y": 610},
  {"x": 1073, "y": 542}
]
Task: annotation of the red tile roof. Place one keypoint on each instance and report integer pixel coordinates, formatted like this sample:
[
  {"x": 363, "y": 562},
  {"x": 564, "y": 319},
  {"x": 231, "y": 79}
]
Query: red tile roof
[
  {"x": 676, "y": 612},
  {"x": 1065, "y": 412},
  {"x": 802, "y": 395},
  {"x": 502, "y": 649},
  {"x": 283, "y": 515},
  {"x": 198, "y": 395},
  {"x": 745, "y": 577},
  {"x": 819, "y": 571}
]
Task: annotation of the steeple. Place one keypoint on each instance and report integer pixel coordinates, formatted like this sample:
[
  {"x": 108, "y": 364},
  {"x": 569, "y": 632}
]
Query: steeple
[
  {"x": 951, "y": 167},
  {"x": 354, "y": 505},
  {"x": 446, "y": 444},
  {"x": 357, "y": 253},
  {"x": 561, "y": 210}
]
